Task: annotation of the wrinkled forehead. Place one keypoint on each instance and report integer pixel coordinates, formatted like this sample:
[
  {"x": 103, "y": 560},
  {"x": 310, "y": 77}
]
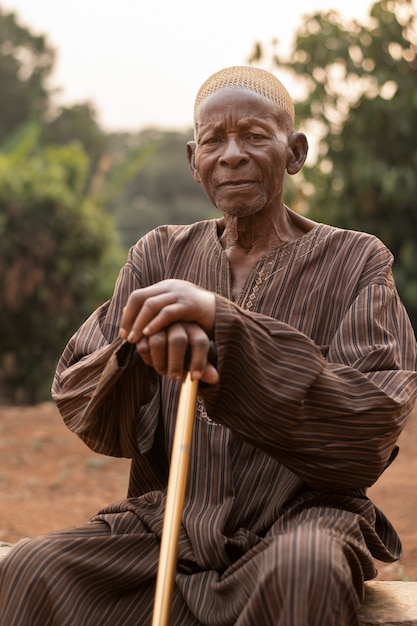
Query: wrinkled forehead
[
  {"x": 237, "y": 108},
  {"x": 251, "y": 79}
]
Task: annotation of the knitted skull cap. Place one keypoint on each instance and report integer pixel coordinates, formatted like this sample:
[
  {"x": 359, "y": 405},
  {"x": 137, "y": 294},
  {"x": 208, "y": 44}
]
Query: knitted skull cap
[{"x": 251, "y": 78}]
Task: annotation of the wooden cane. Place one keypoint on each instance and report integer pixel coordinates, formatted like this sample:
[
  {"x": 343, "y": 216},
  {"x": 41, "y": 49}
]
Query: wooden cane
[{"x": 175, "y": 500}]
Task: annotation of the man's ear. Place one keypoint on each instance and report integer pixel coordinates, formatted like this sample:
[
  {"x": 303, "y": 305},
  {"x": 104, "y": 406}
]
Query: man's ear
[
  {"x": 297, "y": 152},
  {"x": 191, "y": 146}
]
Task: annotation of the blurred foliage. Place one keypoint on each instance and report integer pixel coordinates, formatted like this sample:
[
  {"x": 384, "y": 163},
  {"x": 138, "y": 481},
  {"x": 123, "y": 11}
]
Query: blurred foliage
[
  {"x": 360, "y": 98},
  {"x": 162, "y": 191},
  {"x": 26, "y": 61},
  {"x": 57, "y": 262},
  {"x": 141, "y": 179},
  {"x": 76, "y": 123},
  {"x": 70, "y": 191}
]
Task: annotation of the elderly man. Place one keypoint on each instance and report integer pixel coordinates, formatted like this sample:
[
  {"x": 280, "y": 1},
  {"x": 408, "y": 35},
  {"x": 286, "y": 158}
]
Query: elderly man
[{"x": 314, "y": 379}]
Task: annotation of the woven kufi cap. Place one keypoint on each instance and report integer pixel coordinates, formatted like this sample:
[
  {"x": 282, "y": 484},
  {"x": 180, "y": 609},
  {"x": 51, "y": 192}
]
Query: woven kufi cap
[{"x": 250, "y": 78}]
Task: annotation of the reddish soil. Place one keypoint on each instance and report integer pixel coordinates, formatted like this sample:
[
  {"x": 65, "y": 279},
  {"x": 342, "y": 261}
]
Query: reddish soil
[{"x": 51, "y": 480}]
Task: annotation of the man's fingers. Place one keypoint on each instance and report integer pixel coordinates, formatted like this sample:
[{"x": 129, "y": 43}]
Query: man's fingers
[
  {"x": 199, "y": 345},
  {"x": 177, "y": 350},
  {"x": 167, "y": 350},
  {"x": 211, "y": 375},
  {"x": 153, "y": 351},
  {"x": 153, "y": 308},
  {"x": 140, "y": 311},
  {"x": 166, "y": 319}
]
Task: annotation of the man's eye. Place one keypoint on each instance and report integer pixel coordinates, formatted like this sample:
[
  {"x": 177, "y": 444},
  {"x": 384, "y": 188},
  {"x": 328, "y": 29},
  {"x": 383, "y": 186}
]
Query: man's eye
[{"x": 211, "y": 141}]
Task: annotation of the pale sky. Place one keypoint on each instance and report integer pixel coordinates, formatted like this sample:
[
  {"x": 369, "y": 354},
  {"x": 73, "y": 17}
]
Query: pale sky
[{"x": 141, "y": 62}]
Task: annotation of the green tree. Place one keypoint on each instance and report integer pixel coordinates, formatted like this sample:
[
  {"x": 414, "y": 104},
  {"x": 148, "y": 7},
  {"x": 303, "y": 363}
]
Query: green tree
[
  {"x": 76, "y": 123},
  {"x": 361, "y": 99},
  {"x": 162, "y": 191},
  {"x": 58, "y": 261},
  {"x": 26, "y": 61}
]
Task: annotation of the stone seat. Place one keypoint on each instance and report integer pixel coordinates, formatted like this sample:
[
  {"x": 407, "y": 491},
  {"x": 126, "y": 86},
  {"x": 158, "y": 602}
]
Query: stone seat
[
  {"x": 387, "y": 603},
  {"x": 4, "y": 549}
]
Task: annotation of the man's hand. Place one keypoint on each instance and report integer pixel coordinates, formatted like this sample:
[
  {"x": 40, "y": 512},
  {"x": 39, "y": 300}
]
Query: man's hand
[{"x": 165, "y": 320}]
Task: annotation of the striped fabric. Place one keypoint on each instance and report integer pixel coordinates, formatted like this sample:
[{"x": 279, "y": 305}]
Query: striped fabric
[{"x": 317, "y": 363}]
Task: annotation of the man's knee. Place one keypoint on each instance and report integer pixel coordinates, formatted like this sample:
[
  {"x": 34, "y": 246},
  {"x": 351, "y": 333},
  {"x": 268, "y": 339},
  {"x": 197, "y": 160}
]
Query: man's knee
[{"x": 310, "y": 553}]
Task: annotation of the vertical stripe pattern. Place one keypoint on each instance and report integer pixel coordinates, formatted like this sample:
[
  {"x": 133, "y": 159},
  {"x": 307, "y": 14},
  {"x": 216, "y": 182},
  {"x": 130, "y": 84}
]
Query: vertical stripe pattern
[{"x": 317, "y": 363}]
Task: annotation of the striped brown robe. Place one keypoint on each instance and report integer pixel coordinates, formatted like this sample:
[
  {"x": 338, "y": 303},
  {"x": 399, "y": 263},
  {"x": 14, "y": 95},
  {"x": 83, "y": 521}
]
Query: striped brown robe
[{"x": 317, "y": 364}]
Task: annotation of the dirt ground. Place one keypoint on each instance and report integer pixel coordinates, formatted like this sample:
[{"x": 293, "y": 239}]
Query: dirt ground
[{"x": 51, "y": 480}]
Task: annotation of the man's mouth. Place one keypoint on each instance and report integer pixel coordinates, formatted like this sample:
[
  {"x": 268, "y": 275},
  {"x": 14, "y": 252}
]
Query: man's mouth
[{"x": 235, "y": 183}]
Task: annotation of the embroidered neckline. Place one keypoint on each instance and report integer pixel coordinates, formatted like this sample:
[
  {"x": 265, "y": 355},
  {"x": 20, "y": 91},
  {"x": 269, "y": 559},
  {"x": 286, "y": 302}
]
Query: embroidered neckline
[
  {"x": 202, "y": 413},
  {"x": 260, "y": 276}
]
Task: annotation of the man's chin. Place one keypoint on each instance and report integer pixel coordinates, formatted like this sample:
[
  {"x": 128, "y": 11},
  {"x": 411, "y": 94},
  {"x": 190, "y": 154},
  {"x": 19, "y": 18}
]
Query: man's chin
[{"x": 238, "y": 211}]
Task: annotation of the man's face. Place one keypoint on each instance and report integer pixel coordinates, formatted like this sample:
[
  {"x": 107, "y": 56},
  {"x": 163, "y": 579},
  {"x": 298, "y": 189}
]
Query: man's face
[{"x": 241, "y": 151}]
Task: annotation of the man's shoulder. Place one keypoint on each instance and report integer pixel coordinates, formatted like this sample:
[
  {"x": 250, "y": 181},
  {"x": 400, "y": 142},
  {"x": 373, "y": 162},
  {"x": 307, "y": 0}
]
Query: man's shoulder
[
  {"x": 170, "y": 232},
  {"x": 349, "y": 237}
]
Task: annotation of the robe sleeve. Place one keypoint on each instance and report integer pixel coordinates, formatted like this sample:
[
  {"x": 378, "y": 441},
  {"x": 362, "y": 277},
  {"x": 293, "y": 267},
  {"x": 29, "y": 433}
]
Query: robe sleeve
[
  {"x": 333, "y": 419},
  {"x": 101, "y": 385}
]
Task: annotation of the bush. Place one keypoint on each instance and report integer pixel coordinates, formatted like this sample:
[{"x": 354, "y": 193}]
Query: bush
[{"x": 56, "y": 246}]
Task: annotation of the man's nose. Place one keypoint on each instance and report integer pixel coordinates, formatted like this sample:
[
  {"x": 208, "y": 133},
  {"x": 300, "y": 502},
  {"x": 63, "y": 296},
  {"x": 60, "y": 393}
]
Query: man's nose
[{"x": 233, "y": 153}]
